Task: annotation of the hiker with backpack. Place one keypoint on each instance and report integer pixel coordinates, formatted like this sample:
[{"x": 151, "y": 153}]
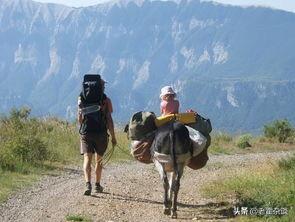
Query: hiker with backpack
[{"x": 95, "y": 118}]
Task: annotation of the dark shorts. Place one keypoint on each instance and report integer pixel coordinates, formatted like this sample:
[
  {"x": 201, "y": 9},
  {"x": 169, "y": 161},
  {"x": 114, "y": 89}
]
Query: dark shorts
[{"x": 94, "y": 143}]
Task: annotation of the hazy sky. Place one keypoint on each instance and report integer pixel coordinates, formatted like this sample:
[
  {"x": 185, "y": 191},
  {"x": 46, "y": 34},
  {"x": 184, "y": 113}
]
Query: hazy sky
[{"x": 288, "y": 5}]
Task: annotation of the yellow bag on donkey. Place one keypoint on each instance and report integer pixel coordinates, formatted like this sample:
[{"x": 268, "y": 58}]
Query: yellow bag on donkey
[{"x": 184, "y": 118}]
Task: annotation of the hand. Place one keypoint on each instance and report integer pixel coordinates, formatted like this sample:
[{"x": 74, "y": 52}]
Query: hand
[
  {"x": 191, "y": 111},
  {"x": 114, "y": 141}
]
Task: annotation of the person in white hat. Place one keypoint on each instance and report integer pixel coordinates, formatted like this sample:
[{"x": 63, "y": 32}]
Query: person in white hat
[{"x": 169, "y": 105}]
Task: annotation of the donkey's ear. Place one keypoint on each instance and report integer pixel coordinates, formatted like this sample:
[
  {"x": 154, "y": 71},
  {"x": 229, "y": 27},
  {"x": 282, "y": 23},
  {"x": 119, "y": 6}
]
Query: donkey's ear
[{"x": 126, "y": 128}]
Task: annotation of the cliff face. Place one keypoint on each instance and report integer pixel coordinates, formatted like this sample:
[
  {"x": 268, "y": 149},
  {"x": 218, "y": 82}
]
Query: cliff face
[{"x": 232, "y": 64}]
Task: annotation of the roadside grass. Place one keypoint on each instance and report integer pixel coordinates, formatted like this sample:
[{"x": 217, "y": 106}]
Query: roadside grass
[
  {"x": 223, "y": 143},
  {"x": 77, "y": 218},
  {"x": 12, "y": 181},
  {"x": 267, "y": 186},
  {"x": 32, "y": 147},
  {"x": 62, "y": 139}
]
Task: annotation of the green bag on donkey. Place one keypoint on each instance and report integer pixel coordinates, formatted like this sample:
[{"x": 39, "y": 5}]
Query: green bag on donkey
[{"x": 141, "y": 125}]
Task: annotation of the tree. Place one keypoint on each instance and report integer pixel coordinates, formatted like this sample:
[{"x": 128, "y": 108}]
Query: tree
[
  {"x": 279, "y": 129},
  {"x": 23, "y": 113}
]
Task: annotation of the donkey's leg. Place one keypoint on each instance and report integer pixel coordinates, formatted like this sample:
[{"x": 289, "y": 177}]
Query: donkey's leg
[
  {"x": 175, "y": 187},
  {"x": 164, "y": 178},
  {"x": 171, "y": 184},
  {"x": 167, "y": 200}
]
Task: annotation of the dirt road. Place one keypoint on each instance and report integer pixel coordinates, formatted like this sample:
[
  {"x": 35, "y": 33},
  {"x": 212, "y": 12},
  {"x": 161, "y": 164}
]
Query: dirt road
[{"x": 133, "y": 192}]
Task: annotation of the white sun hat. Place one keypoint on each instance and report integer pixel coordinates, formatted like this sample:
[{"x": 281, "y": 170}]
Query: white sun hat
[{"x": 167, "y": 90}]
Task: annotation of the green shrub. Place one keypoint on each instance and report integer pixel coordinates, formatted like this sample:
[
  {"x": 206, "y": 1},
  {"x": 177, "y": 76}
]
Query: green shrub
[
  {"x": 29, "y": 142},
  {"x": 279, "y": 129},
  {"x": 22, "y": 113},
  {"x": 244, "y": 141},
  {"x": 28, "y": 149},
  {"x": 21, "y": 146}
]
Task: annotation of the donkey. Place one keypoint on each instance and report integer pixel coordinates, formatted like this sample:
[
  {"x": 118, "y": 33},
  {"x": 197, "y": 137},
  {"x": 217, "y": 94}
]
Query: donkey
[{"x": 171, "y": 151}]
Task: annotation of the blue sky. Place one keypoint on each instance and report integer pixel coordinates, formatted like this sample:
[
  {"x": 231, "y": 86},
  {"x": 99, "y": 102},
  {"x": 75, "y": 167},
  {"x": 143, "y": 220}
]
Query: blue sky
[{"x": 288, "y": 5}]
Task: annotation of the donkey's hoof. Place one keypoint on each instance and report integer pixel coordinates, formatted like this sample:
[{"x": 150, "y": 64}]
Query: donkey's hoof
[
  {"x": 174, "y": 215},
  {"x": 167, "y": 211}
]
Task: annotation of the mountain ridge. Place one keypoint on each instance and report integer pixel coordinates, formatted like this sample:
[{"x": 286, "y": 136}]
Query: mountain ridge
[{"x": 204, "y": 50}]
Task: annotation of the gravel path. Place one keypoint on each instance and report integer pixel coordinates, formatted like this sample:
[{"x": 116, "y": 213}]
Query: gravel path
[{"x": 133, "y": 192}]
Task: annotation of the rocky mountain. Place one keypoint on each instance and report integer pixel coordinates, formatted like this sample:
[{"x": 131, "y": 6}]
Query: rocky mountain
[{"x": 234, "y": 65}]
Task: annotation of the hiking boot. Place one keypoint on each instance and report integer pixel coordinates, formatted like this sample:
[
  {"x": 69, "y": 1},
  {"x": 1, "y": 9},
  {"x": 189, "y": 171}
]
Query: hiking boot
[
  {"x": 98, "y": 188},
  {"x": 88, "y": 189}
]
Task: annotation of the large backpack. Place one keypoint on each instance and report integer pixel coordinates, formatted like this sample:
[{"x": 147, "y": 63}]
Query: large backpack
[
  {"x": 92, "y": 97},
  {"x": 204, "y": 126},
  {"x": 141, "y": 125}
]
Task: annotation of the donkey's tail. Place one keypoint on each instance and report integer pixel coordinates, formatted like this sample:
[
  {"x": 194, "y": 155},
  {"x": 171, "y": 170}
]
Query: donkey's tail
[{"x": 172, "y": 147}]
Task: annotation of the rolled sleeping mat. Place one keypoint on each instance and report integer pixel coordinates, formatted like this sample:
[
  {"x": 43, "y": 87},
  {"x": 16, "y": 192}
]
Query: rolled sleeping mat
[{"x": 185, "y": 118}]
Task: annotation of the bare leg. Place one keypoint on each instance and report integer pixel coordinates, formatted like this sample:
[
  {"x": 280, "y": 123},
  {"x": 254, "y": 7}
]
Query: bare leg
[
  {"x": 87, "y": 172},
  {"x": 98, "y": 168},
  {"x": 87, "y": 166}
]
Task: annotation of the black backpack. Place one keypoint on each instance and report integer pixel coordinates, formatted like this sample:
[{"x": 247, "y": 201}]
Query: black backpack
[
  {"x": 202, "y": 124},
  {"x": 92, "y": 97}
]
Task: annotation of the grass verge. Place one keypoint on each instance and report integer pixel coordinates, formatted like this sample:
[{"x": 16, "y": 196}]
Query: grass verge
[
  {"x": 270, "y": 187},
  {"x": 13, "y": 181},
  {"x": 223, "y": 143},
  {"x": 31, "y": 147}
]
